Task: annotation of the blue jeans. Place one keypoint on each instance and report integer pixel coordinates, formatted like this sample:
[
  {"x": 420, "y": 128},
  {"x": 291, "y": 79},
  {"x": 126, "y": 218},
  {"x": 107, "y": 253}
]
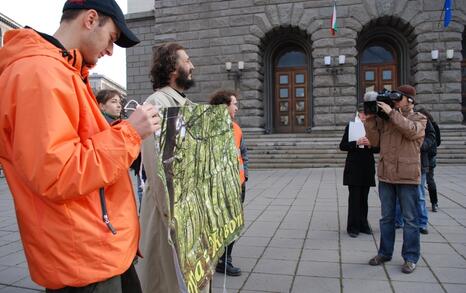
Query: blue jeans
[
  {"x": 408, "y": 196},
  {"x": 423, "y": 215},
  {"x": 398, "y": 217},
  {"x": 140, "y": 191},
  {"x": 422, "y": 209}
]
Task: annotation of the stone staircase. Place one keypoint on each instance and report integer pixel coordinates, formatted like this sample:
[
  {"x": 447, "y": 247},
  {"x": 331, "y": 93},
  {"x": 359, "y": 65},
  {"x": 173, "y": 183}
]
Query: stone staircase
[{"x": 320, "y": 148}]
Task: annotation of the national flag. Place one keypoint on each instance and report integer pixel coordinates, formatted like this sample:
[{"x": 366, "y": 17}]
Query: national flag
[
  {"x": 334, "y": 26},
  {"x": 447, "y": 11}
]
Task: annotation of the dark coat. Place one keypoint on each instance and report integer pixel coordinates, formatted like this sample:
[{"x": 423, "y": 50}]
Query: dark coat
[
  {"x": 360, "y": 164},
  {"x": 429, "y": 146},
  {"x": 433, "y": 152}
]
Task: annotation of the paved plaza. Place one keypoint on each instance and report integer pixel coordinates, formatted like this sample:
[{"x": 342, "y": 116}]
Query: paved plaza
[{"x": 295, "y": 239}]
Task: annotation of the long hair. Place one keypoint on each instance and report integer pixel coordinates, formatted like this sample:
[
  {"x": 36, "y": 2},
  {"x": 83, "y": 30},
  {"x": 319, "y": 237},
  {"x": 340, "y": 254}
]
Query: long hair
[
  {"x": 163, "y": 64},
  {"x": 222, "y": 97}
]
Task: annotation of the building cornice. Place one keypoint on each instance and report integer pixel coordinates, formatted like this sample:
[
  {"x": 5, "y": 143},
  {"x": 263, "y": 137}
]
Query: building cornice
[
  {"x": 9, "y": 22},
  {"x": 140, "y": 16}
]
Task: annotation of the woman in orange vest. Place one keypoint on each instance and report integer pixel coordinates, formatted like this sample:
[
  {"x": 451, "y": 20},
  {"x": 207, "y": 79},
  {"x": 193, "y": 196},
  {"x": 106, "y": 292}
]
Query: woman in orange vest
[{"x": 229, "y": 98}]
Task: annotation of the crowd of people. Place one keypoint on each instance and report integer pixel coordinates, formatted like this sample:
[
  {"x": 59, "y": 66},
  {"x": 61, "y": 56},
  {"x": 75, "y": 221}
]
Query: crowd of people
[
  {"x": 78, "y": 220},
  {"x": 68, "y": 174}
]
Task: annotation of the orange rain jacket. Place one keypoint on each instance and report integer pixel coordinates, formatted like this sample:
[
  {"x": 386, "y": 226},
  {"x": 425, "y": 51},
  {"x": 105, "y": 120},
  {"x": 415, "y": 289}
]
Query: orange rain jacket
[
  {"x": 57, "y": 151},
  {"x": 238, "y": 135}
]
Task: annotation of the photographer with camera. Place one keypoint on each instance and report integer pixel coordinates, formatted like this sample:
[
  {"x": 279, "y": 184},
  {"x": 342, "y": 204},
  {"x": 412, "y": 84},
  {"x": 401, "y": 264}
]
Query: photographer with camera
[{"x": 399, "y": 132}]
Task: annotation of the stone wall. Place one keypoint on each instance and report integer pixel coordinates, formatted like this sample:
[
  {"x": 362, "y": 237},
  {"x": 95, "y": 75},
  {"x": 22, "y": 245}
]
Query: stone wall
[
  {"x": 138, "y": 58},
  {"x": 218, "y": 31}
]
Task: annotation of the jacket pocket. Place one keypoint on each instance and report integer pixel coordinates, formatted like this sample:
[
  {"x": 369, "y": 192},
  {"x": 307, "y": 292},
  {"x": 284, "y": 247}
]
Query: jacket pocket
[
  {"x": 380, "y": 168},
  {"x": 409, "y": 168}
]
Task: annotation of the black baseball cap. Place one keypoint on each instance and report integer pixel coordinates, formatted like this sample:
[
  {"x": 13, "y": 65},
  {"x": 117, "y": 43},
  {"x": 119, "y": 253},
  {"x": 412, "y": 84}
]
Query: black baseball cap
[{"x": 108, "y": 7}]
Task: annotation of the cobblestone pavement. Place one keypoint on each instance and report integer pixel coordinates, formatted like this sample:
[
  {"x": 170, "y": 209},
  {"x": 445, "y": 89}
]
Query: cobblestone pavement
[{"x": 295, "y": 239}]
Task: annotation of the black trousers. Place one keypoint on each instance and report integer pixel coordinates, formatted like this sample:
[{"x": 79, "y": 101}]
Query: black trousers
[
  {"x": 226, "y": 257},
  {"x": 128, "y": 282},
  {"x": 357, "y": 209},
  {"x": 431, "y": 186}
]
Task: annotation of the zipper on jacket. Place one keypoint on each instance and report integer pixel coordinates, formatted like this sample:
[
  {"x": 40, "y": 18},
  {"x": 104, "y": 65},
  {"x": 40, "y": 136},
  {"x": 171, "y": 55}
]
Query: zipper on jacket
[{"x": 105, "y": 217}]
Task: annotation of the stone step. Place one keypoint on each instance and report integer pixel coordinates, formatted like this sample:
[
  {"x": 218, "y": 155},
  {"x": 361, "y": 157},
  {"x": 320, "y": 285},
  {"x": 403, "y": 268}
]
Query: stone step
[
  {"x": 321, "y": 148},
  {"x": 296, "y": 157},
  {"x": 273, "y": 157},
  {"x": 446, "y": 132},
  {"x": 313, "y": 140},
  {"x": 295, "y": 165},
  {"x": 317, "y": 148},
  {"x": 332, "y": 158}
]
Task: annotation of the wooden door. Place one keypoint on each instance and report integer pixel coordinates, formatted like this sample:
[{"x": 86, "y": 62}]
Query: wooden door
[
  {"x": 291, "y": 100},
  {"x": 378, "y": 69}
]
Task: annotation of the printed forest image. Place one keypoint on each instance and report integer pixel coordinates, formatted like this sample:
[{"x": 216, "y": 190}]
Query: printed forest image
[{"x": 201, "y": 172}]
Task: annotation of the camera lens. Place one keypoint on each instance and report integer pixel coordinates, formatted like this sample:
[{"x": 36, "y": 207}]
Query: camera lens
[{"x": 396, "y": 96}]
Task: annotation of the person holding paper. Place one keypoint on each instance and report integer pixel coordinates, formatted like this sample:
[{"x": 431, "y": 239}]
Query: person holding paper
[{"x": 358, "y": 175}]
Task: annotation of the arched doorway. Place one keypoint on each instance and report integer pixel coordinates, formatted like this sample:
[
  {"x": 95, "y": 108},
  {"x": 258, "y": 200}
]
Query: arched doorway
[
  {"x": 287, "y": 81},
  {"x": 378, "y": 68},
  {"x": 383, "y": 59},
  {"x": 291, "y": 94}
]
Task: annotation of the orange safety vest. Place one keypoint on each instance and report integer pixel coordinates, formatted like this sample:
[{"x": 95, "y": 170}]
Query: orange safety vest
[{"x": 238, "y": 133}]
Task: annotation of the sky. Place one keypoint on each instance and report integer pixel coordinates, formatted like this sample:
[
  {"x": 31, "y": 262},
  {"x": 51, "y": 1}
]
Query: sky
[{"x": 44, "y": 16}]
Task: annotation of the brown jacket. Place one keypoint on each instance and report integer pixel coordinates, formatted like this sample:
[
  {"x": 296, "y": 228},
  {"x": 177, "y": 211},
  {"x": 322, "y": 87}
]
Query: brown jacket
[
  {"x": 400, "y": 139},
  {"x": 158, "y": 269}
]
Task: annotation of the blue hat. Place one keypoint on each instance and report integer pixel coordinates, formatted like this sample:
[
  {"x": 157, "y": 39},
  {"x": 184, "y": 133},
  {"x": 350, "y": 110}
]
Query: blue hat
[{"x": 108, "y": 7}]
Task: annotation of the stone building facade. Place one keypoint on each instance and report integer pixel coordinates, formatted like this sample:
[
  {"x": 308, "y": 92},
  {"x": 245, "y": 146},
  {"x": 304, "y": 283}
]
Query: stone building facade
[
  {"x": 6, "y": 24},
  {"x": 286, "y": 85},
  {"x": 101, "y": 82}
]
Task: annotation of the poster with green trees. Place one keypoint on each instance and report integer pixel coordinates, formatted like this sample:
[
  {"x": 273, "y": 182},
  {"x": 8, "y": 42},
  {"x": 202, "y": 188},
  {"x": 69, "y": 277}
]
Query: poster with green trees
[{"x": 201, "y": 171}]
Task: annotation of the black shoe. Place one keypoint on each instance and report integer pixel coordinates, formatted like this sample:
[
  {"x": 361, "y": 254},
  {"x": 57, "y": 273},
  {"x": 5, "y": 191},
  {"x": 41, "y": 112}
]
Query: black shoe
[
  {"x": 353, "y": 235},
  {"x": 408, "y": 267},
  {"x": 434, "y": 208},
  {"x": 230, "y": 270},
  {"x": 378, "y": 260},
  {"x": 424, "y": 231}
]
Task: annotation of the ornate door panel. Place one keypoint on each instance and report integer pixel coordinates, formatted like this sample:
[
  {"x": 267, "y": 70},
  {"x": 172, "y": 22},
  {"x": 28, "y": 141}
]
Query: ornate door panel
[{"x": 378, "y": 77}]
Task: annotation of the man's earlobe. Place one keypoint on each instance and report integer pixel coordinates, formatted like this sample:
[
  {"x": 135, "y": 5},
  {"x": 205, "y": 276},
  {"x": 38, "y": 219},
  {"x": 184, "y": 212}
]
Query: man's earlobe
[{"x": 91, "y": 17}]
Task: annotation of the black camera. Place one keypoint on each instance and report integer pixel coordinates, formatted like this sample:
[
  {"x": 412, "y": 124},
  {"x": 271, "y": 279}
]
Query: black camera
[{"x": 386, "y": 96}]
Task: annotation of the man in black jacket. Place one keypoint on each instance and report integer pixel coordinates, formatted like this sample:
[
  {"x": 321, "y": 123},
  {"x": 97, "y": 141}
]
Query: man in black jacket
[
  {"x": 431, "y": 186},
  {"x": 427, "y": 145}
]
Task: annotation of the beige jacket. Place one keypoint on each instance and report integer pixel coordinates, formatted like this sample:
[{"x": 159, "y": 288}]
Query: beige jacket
[
  {"x": 400, "y": 139},
  {"x": 158, "y": 269}
]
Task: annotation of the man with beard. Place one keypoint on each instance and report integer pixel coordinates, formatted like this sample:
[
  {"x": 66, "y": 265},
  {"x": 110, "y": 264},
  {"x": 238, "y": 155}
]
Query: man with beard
[
  {"x": 171, "y": 75},
  {"x": 400, "y": 138}
]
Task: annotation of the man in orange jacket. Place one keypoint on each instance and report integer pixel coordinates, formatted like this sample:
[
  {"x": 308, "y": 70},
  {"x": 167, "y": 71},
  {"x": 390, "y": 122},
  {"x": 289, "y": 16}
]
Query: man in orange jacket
[{"x": 66, "y": 167}]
